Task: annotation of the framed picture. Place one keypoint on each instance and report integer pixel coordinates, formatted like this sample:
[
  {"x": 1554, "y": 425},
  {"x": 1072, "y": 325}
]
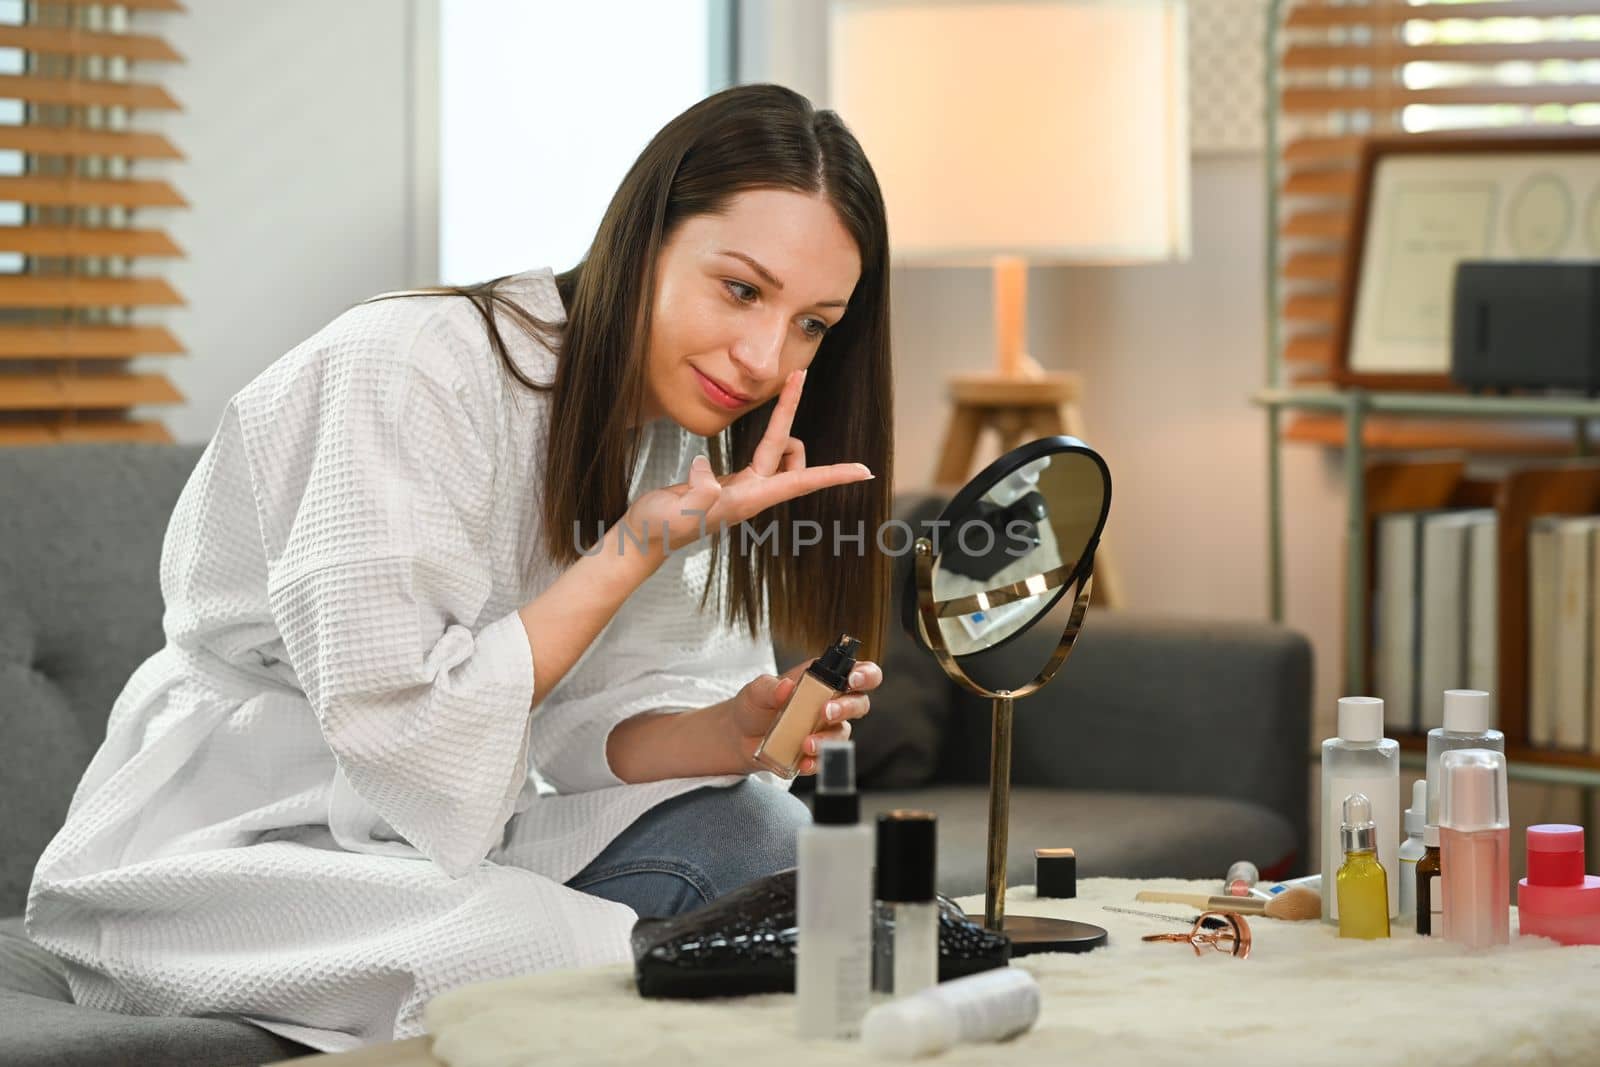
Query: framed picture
[{"x": 1422, "y": 204}]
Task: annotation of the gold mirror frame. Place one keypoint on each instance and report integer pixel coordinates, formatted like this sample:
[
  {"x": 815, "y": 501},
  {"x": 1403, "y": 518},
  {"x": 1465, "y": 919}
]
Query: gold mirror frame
[{"x": 929, "y": 612}]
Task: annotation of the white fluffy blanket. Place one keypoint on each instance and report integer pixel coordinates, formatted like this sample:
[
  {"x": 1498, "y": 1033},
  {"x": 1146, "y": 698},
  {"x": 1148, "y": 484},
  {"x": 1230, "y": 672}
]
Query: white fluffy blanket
[{"x": 1303, "y": 998}]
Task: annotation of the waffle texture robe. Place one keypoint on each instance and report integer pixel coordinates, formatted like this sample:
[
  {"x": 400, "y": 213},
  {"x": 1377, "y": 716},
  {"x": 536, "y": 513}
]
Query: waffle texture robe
[{"x": 320, "y": 804}]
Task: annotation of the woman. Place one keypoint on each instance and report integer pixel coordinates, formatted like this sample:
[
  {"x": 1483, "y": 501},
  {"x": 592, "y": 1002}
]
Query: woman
[{"x": 391, "y": 611}]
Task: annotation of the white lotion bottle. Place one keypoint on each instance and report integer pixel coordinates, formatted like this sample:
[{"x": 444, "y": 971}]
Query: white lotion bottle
[
  {"x": 991, "y": 1006},
  {"x": 833, "y": 906},
  {"x": 1467, "y": 715},
  {"x": 1360, "y": 760}
]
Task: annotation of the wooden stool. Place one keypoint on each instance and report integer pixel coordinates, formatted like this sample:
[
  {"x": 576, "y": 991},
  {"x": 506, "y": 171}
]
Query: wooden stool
[{"x": 1017, "y": 409}]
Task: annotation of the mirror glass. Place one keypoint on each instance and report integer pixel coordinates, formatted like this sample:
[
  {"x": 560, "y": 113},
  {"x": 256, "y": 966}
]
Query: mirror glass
[{"x": 1012, "y": 542}]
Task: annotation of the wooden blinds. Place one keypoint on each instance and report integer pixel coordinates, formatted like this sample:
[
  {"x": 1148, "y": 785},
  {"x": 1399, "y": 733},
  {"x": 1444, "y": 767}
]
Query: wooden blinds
[
  {"x": 1348, "y": 70},
  {"x": 80, "y": 287}
]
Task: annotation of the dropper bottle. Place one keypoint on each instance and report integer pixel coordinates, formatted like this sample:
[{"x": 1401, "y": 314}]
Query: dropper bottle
[{"x": 1363, "y": 886}]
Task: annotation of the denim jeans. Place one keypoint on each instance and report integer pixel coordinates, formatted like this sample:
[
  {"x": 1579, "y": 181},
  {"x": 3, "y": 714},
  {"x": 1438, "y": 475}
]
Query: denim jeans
[{"x": 696, "y": 847}]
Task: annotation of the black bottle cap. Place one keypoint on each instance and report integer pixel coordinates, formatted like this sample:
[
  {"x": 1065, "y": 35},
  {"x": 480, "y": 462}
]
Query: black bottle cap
[
  {"x": 907, "y": 855},
  {"x": 833, "y": 667},
  {"x": 1055, "y": 872},
  {"x": 836, "y": 802}
]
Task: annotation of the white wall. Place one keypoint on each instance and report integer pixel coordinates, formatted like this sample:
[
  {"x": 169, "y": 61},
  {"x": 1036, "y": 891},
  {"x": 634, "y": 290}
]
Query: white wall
[
  {"x": 302, "y": 176},
  {"x": 1168, "y": 353}
]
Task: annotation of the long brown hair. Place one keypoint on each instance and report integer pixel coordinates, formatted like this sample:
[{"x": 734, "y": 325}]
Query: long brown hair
[{"x": 747, "y": 137}]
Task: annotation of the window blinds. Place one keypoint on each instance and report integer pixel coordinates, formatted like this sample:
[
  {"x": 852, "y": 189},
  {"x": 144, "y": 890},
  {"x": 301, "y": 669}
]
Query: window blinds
[{"x": 81, "y": 291}]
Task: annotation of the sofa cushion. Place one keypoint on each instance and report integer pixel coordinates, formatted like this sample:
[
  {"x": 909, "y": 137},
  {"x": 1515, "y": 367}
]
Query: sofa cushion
[
  {"x": 43, "y": 1028},
  {"x": 80, "y": 608},
  {"x": 1126, "y": 835}
]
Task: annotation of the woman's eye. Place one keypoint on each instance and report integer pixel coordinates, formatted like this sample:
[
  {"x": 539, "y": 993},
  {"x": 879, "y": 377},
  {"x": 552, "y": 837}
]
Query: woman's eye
[
  {"x": 815, "y": 328},
  {"x": 741, "y": 292}
]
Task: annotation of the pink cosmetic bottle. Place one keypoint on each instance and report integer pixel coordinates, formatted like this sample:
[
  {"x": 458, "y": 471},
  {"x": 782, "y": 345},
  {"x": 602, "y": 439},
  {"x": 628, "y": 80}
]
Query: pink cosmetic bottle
[
  {"x": 1475, "y": 847},
  {"x": 1557, "y": 900}
]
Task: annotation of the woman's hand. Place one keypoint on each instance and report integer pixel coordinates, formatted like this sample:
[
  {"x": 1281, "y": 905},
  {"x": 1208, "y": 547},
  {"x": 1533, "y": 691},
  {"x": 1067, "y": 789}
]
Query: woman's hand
[
  {"x": 777, "y": 472},
  {"x": 758, "y": 704}
]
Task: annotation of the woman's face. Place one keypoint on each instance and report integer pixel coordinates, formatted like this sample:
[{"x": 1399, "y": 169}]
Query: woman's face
[{"x": 742, "y": 299}]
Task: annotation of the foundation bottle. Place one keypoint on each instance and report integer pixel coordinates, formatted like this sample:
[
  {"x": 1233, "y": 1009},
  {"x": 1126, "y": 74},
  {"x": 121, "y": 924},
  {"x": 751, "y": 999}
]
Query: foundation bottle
[
  {"x": 1475, "y": 847},
  {"x": 1362, "y": 884},
  {"x": 782, "y": 749}
]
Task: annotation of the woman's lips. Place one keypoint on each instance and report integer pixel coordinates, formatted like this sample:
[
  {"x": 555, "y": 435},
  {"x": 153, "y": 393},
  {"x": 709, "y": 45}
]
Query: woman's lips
[{"x": 717, "y": 394}]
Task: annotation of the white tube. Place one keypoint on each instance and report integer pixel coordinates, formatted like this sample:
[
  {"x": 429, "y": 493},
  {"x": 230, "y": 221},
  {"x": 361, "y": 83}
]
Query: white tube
[{"x": 991, "y": 1006}]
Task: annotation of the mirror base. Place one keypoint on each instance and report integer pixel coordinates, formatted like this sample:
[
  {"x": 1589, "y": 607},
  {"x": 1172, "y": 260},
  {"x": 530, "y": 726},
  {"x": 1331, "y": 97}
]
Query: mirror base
[{"x": 1033, "y": 933}]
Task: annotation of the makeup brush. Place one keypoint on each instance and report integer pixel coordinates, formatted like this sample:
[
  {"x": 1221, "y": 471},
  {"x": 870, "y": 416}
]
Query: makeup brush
[{"x": 1295, "y": 904}]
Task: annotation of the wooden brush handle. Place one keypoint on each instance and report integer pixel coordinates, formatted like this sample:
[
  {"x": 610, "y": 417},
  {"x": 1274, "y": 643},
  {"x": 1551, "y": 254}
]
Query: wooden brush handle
[{"x": 1242, "y": 905}]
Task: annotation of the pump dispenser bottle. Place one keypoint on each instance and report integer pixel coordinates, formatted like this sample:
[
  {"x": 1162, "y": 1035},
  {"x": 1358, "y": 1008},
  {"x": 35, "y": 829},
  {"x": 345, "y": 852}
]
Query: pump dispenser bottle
[
  {"x": 1363, "y": 885},
  {"x": 1360, "y": 760},
  {"x": 833, "y": 905},
  {"x": 782, "y": 749},
  {"x": 1475, "y": 847}
]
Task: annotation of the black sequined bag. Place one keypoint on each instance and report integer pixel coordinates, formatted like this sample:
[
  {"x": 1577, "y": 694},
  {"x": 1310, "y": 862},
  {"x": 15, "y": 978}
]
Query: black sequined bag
[{"x": 743, "y": 943}]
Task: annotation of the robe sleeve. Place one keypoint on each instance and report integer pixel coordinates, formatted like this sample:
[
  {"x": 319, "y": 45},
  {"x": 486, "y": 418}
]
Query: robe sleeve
[
  {"x": 662, "y": 654},
  {"x": 374, "y": 474}
]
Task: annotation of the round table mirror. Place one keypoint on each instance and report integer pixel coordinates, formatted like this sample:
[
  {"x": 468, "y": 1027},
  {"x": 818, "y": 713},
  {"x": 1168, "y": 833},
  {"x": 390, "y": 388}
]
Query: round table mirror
[{"x": 1008, "y": 546}]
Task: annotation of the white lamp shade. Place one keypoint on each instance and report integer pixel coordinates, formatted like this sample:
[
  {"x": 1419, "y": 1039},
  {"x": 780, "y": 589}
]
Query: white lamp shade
[{"x": 1053, "y": 130}]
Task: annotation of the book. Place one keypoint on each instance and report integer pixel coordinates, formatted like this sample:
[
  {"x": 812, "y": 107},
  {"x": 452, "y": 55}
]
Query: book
[
  {"x": 1395, "y": 604},
  {"x": 1572, "y": 598},
  {"x": 1543, "y": 546},
  {"x": 1442, "y": 619},
  {"x": 1483, "y": 603}
]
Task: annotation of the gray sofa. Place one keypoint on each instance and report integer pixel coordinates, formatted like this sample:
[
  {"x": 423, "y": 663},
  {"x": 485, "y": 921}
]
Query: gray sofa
[{"x": 1165, "y": 746}]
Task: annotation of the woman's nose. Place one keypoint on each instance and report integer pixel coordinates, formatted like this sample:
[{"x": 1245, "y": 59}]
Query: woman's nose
[{"x": 759, "y": 352}]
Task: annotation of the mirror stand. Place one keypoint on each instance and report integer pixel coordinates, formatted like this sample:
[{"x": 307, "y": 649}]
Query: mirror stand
[{"x": 1028, "y": 933}]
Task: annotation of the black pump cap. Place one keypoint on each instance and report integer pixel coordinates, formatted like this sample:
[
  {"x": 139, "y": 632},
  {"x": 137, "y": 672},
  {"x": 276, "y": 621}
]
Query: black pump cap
[
  {"x": 836, "y": 802},
  {"x": 907, "y": 855},
  {"x": 833, "y": 667}
]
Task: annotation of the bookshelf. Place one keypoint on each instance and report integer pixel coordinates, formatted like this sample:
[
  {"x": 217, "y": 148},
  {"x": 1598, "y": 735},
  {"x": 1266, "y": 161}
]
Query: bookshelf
[{"x": 1544, "y": 487}]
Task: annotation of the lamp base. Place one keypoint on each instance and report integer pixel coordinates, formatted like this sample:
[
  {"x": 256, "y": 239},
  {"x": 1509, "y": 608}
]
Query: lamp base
[{"x": 1033, "y": 933}]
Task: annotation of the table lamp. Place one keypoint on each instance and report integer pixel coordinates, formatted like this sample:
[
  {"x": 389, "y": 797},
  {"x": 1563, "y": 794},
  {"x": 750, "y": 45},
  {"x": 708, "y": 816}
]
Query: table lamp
[{"x": 1015, "y": 132}]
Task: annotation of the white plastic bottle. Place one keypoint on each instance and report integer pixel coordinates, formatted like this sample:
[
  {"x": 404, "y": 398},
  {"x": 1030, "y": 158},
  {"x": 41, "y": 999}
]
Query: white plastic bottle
[
  {"x": 1360, "y": 760},
  {"x": 991, "y": 1006},
  {"x": 833, "y": 906},
  {"x": 1412, "y": 848},
  {"x": 1467, "y": 715}
]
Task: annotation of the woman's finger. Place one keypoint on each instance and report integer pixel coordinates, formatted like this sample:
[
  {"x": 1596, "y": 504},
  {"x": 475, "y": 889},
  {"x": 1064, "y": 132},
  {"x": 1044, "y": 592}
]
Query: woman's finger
[
  {"x": 769, "y": 452},
  {"x": 790, "y": 484},
  {"x": 836, "y": 732},
  {"x": 846, "y": 707},
  {"x": 865, "y": 676},
  {"x": 794, "y": 455}
]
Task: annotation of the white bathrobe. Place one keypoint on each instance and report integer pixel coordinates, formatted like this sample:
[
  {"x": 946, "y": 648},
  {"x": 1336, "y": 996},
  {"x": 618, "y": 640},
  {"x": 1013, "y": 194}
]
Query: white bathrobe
[{"x": 318, "y": 805}]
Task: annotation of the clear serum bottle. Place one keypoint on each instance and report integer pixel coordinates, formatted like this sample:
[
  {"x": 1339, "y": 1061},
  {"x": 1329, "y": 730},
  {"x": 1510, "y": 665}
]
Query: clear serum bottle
[
  {"x": 833, "y": 907},
  {"x": 1360, "y": 760},
  {"x": 1363, "y": 885},
  {"x": 905, "y": 934}
]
